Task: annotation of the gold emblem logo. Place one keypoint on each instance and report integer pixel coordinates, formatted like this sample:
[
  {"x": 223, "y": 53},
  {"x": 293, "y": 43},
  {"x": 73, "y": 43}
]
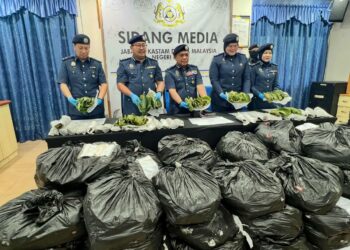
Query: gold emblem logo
[{"x": 169, "y": 14}]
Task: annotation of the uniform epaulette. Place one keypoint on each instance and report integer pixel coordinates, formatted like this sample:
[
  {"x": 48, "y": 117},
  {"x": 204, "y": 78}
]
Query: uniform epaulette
[
  {"x": 221, "y": 54},
  {"x": 93, "y": 59},
  {"x": 68, "y": 57},
  {"x": 170, "y": 68},
  {"x": 122, "y": 60}
]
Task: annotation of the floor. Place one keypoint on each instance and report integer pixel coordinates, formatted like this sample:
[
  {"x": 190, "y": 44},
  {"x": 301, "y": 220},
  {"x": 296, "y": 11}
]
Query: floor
[{"x": 17, "y": 176}]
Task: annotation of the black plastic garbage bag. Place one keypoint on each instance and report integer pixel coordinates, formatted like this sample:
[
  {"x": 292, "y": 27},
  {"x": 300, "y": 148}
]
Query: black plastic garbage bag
[
  {"x": 337, "y": 221},
  {"x": 277, "y": 228},
  {"x": 61, "y": 168},
  {"x": 189, "y": 194},
  {"x": 279, "y": 136},
  {"x": 236, "y": 146},
  {"x": 326, "y": 242},
  {"x": 207, "y": 235},
  {"x": 346, "y": 184},
  {"x": 309, "y": 184},
  {"x": 81, "y": 244},
  {"x": 133, "y": 152},
  {"x": 298, "y": 244},
  {"x": 248, "y": 188},
  {"x": 179, "y": 148},
  {"x": 40, "y": 219},
  {"x": 235, "y": 243},
  {"x": 122, "y": 211},
  {"x": 329, "y": 143}
]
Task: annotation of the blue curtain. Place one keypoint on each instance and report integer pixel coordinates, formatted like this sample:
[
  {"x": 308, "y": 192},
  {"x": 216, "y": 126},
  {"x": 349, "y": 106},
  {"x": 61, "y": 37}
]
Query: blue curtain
[
  {"x": 31, "y": 49},
  {"x": 300, "y": 35}
]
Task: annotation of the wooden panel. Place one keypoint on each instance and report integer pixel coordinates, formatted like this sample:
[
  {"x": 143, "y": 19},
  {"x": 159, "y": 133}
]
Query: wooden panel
[
  {"x": 8, "y": 142},
  {"x": 344, "y": 100},
  {"x": 342, "y": 120},
  {"x": 343, "y": 111}
]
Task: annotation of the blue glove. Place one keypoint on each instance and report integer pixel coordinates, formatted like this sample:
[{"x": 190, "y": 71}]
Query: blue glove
[
  {"x": 244, "y": 109},
  {"x": 158, "y": 96},
  {"x": 223, "y": 96},
  {"x": 183, "y": 105},
  {"x": 99, "y": 101},
  {"x": 73, "y": 101},
  {"x": 135, "y": 99},
  {"x": 261, "y": 96}
]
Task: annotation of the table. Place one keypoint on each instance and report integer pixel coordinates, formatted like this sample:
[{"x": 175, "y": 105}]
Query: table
[{"x": 149, "y": 139}]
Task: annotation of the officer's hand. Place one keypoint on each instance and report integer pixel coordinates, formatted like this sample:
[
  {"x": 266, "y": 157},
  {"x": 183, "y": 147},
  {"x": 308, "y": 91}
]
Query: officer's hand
[
  {"x": 72, "y": 101},
  {"x": 183, "y": 105},
  {"x": 244, "y": 109},
  {"x": 223, "y": 96},
  {"x": 158, "y": 96},
  {"x": 262, "y": 96},
  {"x": 99, "y": 101},
  {"x": 135, "y": 99}
]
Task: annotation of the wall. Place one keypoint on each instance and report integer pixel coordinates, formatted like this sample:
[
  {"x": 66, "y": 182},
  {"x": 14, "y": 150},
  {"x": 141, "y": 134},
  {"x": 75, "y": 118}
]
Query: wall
[{"x": 338, "y": 60}]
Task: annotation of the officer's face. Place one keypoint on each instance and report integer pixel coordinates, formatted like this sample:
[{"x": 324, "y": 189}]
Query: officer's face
[
  {"x": 182, "y": 58},
  {"x": 266, "y": 56},
  {"x": 231, "y": 49},
  {"x": 139, "y": 50},
  {"x": 82, "y": 50}
]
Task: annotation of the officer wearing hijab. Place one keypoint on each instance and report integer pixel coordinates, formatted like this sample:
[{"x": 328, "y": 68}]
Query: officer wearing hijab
[
  {"x": 82, "y": 76},
  {"x": 253, "y": 54},
  {"x": 229, "y": 71},
  {"x": 264, "y": 77},
  {"x": 136, "y": 75},
  {"x": 183, "y": 80}
]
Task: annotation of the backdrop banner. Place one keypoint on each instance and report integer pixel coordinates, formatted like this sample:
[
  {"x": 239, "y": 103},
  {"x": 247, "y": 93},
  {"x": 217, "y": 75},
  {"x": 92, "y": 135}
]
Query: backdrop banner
[{"x": 201, "y": 24}]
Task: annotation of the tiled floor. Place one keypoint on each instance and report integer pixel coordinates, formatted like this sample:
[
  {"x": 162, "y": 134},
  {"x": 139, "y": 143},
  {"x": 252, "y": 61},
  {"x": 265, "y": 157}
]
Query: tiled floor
[{"x": 17, "y": 176}]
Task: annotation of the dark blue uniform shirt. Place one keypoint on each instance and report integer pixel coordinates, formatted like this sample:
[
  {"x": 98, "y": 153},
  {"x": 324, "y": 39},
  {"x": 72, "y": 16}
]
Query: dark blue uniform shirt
[
  {"x": 139, "y": 77},
  {"x": 83, "y": 79},
  {"x": 185, "y": 81},
  {"x": 228, "y": 73},
  {"x": 264, "y": 78}
]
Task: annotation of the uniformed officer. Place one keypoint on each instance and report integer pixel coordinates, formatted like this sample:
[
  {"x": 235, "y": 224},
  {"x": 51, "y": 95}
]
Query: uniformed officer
[
  {"x": 136, "y": 75},
  {"x": 264, "y": 77},
  {"x": 81, "y": 76},
  {"x": 183, "y": 80},
  {"x": 229, "y": 71},
  {"x": 253, "y": 54}
]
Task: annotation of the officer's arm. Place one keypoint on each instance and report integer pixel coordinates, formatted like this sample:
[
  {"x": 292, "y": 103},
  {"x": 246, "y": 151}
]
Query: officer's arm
[
  {"x": 215, "y": 77},
  {"x": 199, "y": 83},
  {"x": 65, "y": 90},
  {"x": 170, "y": 86},
  {"x": 159, "y": 79},
  {"x": 122, "y": 77},
  {"x": 252, "y": 80},
  {"x": 102, "y": 82},
  {"x": 63, "y": 79},
  {"x": 246, "y": 78},
  {"x": 275, "y": 84}
]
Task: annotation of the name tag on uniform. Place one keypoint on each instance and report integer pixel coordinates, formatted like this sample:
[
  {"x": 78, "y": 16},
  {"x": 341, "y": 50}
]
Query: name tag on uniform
[
  {"x": 189, "y": 73},
  {"x": 273, "y": 71},
  {"x": 150, "y": 67},
  {"x": 92, "y": 67}
]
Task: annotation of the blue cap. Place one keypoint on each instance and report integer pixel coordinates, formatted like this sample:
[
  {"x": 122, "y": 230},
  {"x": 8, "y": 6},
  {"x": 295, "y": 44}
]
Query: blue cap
[
  {"x": 262, "y": 48},
  {"x": 137, "y": 38},
  {"x": 230, "y": 38},
  {"x": 81, "y": 38},
  {"x": 178, "y": 49}
]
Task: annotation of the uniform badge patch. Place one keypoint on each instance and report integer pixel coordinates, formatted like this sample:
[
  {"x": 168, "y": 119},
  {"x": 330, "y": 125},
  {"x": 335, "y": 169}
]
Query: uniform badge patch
[{"x": 73, "y": 64}]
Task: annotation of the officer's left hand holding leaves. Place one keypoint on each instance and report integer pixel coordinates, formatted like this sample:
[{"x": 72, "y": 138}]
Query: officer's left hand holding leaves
[
  {"x": 99, "y": 101},
  {"x": 158, "y": 96},
  {"x": 72, "y": 101}
]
